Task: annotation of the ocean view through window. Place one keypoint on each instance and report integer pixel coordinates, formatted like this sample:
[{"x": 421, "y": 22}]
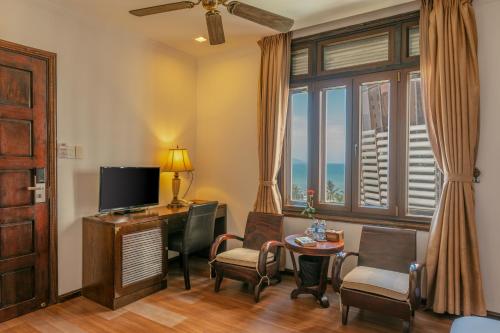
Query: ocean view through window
[
  {"x": 335, "y": 133},
  {"x": 299, "y": 140},
  {"x": 356, "y": 132}
]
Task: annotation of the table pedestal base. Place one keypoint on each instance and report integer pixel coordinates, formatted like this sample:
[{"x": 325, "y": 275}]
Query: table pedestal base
[{"x": 318, "y": 291}]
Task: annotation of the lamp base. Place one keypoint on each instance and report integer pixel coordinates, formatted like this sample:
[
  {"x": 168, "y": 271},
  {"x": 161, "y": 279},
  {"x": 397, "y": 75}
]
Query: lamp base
[
  {"x": 177, "y": 204},
  {"x": 176, "y": 184}
]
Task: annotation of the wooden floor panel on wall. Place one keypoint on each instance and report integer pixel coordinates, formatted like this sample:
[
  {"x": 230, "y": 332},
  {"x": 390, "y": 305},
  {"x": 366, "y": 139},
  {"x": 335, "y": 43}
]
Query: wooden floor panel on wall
[{"x": 201, "y": 310}]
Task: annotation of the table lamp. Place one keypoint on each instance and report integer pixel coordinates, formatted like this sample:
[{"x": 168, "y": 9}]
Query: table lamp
[{"x": 177, "y": 161}]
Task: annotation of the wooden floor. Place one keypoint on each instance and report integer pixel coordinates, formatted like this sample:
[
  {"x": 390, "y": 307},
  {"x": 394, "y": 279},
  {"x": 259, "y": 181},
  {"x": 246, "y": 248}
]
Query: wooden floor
[{"x": 202, "y": 310}]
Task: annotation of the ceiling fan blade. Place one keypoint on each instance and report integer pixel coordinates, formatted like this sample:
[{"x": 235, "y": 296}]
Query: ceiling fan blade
[
  {"x": 215, "y": 28},
  {"x": 260, "y": 16},
  {"x": 163, "y": 8}
]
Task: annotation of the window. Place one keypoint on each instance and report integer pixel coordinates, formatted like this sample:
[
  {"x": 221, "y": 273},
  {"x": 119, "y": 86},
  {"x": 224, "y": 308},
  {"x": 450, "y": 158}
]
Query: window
[
  {"x": 423, "y": 177},
  {"x": 356, "y": 130},
  {"x": 298, "y": 132},
  {"x": 356, "y": 52},
  {"x": 300, "y": 62},
  {"x": 414, "y": 41},
  {"x": 335, "y": 145}
]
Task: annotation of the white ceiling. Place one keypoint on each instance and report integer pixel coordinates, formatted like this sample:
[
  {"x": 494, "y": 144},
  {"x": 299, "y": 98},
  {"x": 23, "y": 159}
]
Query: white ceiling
[{"x": 178, "y": 29}]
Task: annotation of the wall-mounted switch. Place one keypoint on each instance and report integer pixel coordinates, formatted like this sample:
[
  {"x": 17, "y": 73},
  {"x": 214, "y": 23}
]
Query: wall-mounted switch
[
  {"x": 70, "y": 152},
  {"x": 78, "y": 152}
]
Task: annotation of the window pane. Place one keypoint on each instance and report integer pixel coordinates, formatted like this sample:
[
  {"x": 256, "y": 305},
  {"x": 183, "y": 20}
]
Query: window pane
[
  {"x": 299, "y": 144},
  {"x": 422, "y": 173},
  {"x": 356, "y": 52},
  {"x": 335, "y": 145},
  {"x": 414, "y": 41},
  {"x": 374, "y": 144},
  {"x": 300, "y": 62}
]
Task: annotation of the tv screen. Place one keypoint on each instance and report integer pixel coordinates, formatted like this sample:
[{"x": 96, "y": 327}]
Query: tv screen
[{"x": 123, "y": 188}]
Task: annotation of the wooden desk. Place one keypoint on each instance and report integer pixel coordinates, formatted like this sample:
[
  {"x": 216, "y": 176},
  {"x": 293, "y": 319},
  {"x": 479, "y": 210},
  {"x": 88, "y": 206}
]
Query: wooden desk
[
  {"x": 125, "y": 256},
  {"x": 322, "y": 249}
]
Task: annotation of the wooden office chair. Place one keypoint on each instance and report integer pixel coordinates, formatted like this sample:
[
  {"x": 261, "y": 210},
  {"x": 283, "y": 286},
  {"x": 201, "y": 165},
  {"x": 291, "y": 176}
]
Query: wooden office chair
[
  {"x": 387, "y": 279},
  {"x": 198, "y": 234},
  {"x": 257, "y": 262}
]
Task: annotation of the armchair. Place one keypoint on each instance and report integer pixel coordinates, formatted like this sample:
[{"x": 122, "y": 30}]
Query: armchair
[
  {"x": 257, "y": 261},
  {"x": 386, "y": 280}
]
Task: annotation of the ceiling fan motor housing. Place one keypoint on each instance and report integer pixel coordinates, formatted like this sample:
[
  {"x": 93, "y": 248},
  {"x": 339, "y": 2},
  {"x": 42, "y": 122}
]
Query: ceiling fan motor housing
[{"x": 210, "y": 5}]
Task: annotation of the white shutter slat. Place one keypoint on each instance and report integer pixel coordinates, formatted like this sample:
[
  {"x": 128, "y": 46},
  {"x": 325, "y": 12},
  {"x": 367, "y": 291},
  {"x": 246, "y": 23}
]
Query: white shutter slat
[
  {"x": 300, "y": 62},
  {"x": 414, "y": 41},
  {"x": 357, "y": 52}
]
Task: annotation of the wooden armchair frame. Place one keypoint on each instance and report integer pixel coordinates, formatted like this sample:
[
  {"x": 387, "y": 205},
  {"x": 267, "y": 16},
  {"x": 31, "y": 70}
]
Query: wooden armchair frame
[
  {"x": 371, "y": 254},
  {"x": 263, "y": 233}
]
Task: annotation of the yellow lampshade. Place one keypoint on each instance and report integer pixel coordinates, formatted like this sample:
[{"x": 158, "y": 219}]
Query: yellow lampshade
[{"x": 177, "y": 161}]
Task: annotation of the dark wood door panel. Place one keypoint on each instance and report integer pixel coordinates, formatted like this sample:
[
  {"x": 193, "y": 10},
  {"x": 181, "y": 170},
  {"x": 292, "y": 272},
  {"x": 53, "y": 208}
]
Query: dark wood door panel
[
  {"x": 17, "y": 286},
  {"x": 14, "y": 188},
  {"x": 15, "y": 138},
  {"x": 16, "y": 214},
  {"x": 16, "y": 239},
  {"x": 15, "y": 86}
]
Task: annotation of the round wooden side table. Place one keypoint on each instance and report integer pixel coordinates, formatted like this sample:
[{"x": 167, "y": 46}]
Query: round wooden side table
[{"x": 322, "y": 249}]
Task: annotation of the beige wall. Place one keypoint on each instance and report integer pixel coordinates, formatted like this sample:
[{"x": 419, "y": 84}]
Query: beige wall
[
  {"x": 123, "y": 98},
  {"x": 488, "y": 220},
  {"x": 226, "y": 141}
]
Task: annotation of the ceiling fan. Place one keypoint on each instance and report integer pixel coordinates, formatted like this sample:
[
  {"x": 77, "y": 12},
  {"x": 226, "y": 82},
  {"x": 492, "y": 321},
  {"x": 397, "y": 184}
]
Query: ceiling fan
[{"x": 214, "y": 19}]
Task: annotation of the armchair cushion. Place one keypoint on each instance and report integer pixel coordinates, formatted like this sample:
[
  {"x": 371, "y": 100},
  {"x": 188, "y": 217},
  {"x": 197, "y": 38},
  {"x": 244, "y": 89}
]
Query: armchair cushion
[
  {"x": 242, "y": 257},
  {"x": 377, "y": 281}
]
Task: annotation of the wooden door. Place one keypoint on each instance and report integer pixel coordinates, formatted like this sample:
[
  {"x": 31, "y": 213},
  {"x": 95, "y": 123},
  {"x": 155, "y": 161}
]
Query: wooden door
[{"x": 24, "y": 224}]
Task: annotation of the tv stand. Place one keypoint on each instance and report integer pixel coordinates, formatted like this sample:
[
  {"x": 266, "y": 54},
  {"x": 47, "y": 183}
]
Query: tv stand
[
  {"x": 115, "y": 246},
  {"x": 129, "y": 211}
]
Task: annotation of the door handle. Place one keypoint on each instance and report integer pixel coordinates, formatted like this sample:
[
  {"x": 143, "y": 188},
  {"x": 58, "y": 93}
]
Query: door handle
[{"x": 34, "y": 188}]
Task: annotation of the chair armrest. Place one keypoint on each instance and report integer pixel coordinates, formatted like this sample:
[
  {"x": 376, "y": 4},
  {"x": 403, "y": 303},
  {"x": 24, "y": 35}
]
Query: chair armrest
[
  {"x": 264, "y": 250},
  {"x": 414, "y": 292},
  {"x": 218, "y": 241},
  {"x": 337, "y": 268}
]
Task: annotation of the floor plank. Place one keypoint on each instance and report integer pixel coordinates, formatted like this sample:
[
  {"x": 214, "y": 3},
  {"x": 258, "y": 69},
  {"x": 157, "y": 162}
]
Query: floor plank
[{"x": 202, "y": 310}]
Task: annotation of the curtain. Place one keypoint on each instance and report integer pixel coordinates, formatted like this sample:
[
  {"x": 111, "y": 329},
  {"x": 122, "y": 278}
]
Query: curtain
[
  {"x": 450, "y": 82},
  {"x": 272, "y": 113}
]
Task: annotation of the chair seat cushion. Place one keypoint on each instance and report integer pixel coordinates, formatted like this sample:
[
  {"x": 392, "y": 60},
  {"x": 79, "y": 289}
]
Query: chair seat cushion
[
  {"x": 242, "y": 257},
  {"x": 475, "y": 324},
  {"x": 377, "y": 281}
]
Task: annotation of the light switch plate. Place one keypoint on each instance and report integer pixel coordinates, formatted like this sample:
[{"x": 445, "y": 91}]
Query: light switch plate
[{"x": 70, "y": 152}]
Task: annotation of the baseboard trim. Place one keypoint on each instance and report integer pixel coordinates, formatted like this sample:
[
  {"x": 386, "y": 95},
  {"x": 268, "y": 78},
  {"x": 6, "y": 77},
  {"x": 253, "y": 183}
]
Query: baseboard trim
[
  {"x": 493, "y": 315},
  {"x": 69, "y": 295}
]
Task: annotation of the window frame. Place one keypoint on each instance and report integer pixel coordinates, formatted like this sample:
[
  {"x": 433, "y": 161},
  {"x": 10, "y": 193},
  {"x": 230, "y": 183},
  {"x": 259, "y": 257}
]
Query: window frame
[
  {"x": 405, "y": 44},
  {"x": 353, "y": 37},
  {"x": 310, "y": 62},
  {"x": 319, "y": 145},
  {"x": 287, "y": 153},
  {"x": 392, "y": 77},
  {"x": 318, "y": 80}
]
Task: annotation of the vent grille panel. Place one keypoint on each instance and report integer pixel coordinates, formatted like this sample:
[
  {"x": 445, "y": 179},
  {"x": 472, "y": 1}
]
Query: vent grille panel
[{"x": 142, "y": 256}]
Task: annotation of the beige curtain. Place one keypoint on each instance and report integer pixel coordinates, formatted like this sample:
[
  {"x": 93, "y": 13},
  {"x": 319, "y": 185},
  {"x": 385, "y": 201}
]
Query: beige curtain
[
  {"x": 273, "y": 106},
  {"x": 451, "y": 95}
]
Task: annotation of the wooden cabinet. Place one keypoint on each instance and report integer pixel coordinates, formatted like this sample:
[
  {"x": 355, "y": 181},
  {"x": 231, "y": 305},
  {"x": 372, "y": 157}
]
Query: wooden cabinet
[
  {"x": 123, "y": 262},
  {"x": 125, "y": 256}
]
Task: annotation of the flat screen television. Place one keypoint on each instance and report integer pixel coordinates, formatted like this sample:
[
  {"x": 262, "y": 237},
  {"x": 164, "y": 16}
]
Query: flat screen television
[{"x": 128, "y": 188}]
